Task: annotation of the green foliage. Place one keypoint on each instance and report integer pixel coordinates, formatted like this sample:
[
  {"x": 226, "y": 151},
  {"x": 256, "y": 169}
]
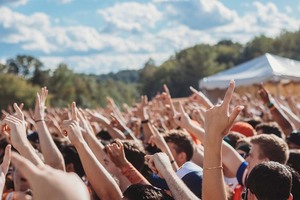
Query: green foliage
[{"x": 16, "y": 89}]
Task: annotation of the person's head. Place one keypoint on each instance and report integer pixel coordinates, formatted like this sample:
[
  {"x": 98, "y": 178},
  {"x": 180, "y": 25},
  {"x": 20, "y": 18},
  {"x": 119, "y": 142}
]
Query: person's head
[
  {"x": 72, "y": 160},
  {"x": 293, "y": 140},
  {"x": 267, "y": 148},
  {"x": 233, "y": 137},
  {"x": 294, "y": 159},
  {"x": 145, "y": 192},
  {"x": 181, "y": 146},
  {"x": 243, "y": 147},
  {"x": 269, "y": 128},
  {"x": 269, "y": 181}
]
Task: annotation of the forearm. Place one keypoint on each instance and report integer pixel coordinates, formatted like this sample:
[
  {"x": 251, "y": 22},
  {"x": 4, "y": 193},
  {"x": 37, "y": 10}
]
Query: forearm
[
  {"x": 102, "y": 182},
  {"x": 115, "y": 133},
  {"x": 51, "y": 153},
  {"x": 281, "y": 119},
  {"x": 29, "y": 152},
  {"x": 213, "y": 174},
  {"x": 231, "y": 159},
  {"x": 177, "y": 187},
  {"x": 133, "y": 175},
  {"x": 292, "y": 117},
  {"x": 96, "y": 146}
]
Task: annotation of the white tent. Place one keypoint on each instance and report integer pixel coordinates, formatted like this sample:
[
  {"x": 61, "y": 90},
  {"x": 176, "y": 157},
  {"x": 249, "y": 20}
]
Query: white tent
[{"x": 264, "y": 68}]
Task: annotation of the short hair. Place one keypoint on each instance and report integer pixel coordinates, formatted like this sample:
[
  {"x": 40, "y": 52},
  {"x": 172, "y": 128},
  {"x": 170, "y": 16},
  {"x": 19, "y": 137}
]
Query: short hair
[
  {"x": 71, "y": 155},
  {"x": 233, "y": 137},
  {"x": 182, "y": 141},
  {"x": 271, "y": 147},
  {"x": 145, "y": 192},
  {"x": 270, "y": 181},
  {"x": 294, "y": 159},
  {"x": 270, "y": 128}
]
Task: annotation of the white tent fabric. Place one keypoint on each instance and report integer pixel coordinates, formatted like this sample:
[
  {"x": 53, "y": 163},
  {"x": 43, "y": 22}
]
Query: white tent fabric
[{"x": 261, "y": 69}]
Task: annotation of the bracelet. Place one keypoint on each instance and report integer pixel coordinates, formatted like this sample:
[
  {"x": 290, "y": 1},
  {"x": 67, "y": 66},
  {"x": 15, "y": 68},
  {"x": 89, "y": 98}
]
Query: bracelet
[
  {"x": 145, "y": 121},
  {"x": 270, "y": 105},
  {"x": 210, "y": 168},
  {"x": 40, "y": 120}
]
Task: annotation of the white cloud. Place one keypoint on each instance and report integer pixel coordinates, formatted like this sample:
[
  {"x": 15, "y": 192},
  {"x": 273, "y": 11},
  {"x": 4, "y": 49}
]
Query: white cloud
[
  {"x": 13, "y": 2},
  {"x": 133, "y": 32},
  {"x": 197, "y": 14},
  {"x": 288, "y": 9},
  {"x": 131, "y": 16}
]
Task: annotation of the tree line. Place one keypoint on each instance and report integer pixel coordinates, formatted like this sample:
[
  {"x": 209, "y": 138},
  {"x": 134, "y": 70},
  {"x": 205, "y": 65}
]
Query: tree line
[{"x": 22, "y": 76}]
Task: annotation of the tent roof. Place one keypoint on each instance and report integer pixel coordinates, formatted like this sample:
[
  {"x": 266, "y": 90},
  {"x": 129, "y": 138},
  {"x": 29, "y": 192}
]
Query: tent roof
[{"x": 260, "y": 69}]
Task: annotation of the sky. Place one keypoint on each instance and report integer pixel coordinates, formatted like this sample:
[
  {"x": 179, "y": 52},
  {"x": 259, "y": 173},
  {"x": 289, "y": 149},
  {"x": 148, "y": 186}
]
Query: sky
[{"x": 102, "y": 36}]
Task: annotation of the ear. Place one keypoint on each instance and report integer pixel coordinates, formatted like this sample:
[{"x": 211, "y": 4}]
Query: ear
[
  {"x": 70, "y": 167},
  {"x": 290, "y": 197}
]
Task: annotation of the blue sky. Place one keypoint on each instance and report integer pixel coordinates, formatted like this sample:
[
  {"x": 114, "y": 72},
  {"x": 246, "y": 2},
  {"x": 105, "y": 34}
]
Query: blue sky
[{"x": 101, "y": 36}]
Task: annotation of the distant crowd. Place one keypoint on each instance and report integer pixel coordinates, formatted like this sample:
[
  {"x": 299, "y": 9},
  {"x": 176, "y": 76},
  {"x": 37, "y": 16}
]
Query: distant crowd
[{"x": 240, "y": 148}]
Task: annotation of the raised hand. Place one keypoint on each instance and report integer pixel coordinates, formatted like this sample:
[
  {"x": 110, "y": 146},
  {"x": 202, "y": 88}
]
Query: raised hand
[
  {"x": 218, "y": 119},
  {"x": 199, "y": 97},
  {"x": 49, "y": 183},
  {"x": 71, "y": 127},
  {"x": 264, "y": 94},
  {"x": 182, "y": 119},
  {"x": 117, "y": 154},
  {"x": 39, "y": 110},
  {"x": 16, "y": 125},
  {"x": 159, "y": 163}
]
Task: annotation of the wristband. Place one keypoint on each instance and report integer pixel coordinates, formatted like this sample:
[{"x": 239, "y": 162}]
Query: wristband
[
  {"x": 40, "y": 120},
  {"x": 145, "y": 121}
]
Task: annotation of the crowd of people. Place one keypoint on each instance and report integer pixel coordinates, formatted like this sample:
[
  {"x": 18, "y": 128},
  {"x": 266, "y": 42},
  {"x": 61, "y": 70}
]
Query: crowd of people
[{"x": 240, "y": 148}]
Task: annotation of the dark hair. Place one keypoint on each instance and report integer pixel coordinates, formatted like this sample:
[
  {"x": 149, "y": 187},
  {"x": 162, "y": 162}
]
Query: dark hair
[
  {"x": 295, "y": 183},
  {"x": 253, "y": 121},
  {"x": 70, "y": 155},
  {"x": 270, "y": 128},
  {"x": 271, "y": 147},
  {"x": 182, "y": 141},
  {"x": 233, "y": 137},
  {"x": 270, "y": 181},
  {"x": 145, "y": 192},
  {"x": 294, "y": 160}
]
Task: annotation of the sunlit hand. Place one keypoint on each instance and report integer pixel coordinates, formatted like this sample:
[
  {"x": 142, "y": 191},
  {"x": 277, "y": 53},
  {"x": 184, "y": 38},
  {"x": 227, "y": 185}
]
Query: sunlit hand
[{"x": 49, "y": 183}]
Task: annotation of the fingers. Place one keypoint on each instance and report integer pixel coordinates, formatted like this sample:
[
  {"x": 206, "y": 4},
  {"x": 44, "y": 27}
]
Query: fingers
[
  {"x": 19, "y": 112},
  {"x": 27, "y": 169},
  {"x": 228, "y": 94},
  {"x": 181, "y": 108},
  {"x": 236, "y": 111},
  {"x": 74, "y": 111},
  {"x": 194, "y": 90},
  {"x": 6, "y": 159},
  {"x": 150, "y": 161}
]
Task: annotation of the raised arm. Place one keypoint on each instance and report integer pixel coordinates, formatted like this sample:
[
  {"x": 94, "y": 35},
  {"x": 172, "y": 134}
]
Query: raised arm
[
  {"x": 218, "y": 121},
  {"x": 18, "y": 136},
  {"x": 158, "y": 140},
  {"x": 277, "y": 114},
  {"x": 231, "y": 159},
  {"x": 160, "y": 164},
  {"x": 102, "y": 182},
  {"x": 51, "y": 153}
]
